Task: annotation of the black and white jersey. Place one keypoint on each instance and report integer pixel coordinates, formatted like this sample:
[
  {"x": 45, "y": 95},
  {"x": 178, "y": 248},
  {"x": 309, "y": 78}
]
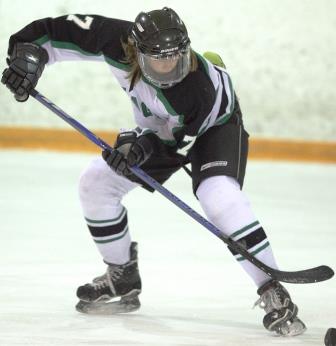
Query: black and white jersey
[{"x": 203, "y": 99}]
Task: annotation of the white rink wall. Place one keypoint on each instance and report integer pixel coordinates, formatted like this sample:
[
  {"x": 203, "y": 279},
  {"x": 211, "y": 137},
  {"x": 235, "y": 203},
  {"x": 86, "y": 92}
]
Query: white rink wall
[{"x": 281, "y": 56}]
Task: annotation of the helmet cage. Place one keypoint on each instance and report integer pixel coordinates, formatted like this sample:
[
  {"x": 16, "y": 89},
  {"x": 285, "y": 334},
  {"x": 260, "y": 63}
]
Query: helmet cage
[{"x": 179, "y": 60}]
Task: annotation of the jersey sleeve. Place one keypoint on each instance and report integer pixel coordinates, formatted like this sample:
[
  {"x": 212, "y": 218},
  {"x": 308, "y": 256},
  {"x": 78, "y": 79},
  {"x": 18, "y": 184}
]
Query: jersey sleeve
[{"x": 77, "y": 37}]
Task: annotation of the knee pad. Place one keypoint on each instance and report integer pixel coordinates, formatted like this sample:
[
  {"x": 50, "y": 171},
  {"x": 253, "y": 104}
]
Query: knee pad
[
  {"x": 99, "y": 183},
  {"x": 92, "y": 179},
  {"x": 220, "y": 195}
]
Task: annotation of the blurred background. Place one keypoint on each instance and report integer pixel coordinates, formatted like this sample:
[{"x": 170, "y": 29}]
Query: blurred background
[{"x": 280, "y": 54}]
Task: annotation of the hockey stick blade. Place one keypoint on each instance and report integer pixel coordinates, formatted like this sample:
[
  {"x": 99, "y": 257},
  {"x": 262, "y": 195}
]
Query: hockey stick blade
[
  {"x": 311, "y": 275},
  {"x": 306, "y": 276}
]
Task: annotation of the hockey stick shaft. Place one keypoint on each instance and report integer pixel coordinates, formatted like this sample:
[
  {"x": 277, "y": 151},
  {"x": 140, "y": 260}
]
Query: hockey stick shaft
[{"x": 320, "y": 273}]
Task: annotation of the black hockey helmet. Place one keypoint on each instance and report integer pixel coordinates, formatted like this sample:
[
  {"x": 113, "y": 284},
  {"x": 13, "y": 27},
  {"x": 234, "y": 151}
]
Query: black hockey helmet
[{"x": 161, "y": 34}]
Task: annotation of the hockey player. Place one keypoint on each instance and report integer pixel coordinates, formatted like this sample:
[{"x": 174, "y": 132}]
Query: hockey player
[{"x": 177, "y": 96}]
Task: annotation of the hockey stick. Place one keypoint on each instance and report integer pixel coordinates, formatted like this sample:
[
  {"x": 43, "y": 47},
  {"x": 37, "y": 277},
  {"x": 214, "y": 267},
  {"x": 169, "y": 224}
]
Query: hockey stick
[{"x": 311, "y": 275}]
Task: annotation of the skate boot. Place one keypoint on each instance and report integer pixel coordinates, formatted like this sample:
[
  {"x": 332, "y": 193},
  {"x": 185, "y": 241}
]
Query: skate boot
[
  {"x": 116, "y": 291},
  {"x": 281, "y": 312}
]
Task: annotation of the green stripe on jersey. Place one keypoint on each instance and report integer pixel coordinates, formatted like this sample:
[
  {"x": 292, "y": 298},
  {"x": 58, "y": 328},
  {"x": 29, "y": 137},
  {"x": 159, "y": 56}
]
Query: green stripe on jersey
[
  {"x": 71, "y": 46},
  {"x": 170, "y": 110},
  {"x": 223, "y": 119},
  {"x": 226, "y": 116},
  {"x": 117, "y": 64},
  {"x": 42, "y": 40},
  {"x": 163, "y": 99}
]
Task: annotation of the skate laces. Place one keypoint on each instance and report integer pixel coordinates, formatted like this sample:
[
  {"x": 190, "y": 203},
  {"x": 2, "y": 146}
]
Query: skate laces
[
  {"x": 106, "y": 280},
  {"x": 100, "y": 282},
  {"x": 114, "y": 272},
  {"x": 99, "y": 285},
  {"x": 272, "y": 299}
]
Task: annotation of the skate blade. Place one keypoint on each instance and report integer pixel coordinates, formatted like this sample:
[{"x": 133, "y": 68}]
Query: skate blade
[
  {"x": 292, "y": 328},
  {"x": 126, "y": 304}
]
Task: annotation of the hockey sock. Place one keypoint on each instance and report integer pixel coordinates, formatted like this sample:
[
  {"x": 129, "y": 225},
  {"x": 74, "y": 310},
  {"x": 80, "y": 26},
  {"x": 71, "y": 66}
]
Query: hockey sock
[
  {"x": 101, "y": 191},
  {"x": 227, "y": 207},
  {"x": 112, "y": 237}
]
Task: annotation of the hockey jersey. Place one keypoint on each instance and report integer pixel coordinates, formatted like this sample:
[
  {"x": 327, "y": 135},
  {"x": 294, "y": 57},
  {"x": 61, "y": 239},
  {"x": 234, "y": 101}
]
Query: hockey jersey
[{"x": 203, "y": 99}]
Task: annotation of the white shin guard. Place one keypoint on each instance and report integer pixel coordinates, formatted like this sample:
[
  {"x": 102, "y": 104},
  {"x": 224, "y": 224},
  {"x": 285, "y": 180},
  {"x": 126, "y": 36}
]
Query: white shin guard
[
  {"x": 227, "y": 207},
  {"x": 101, "y": 191}
]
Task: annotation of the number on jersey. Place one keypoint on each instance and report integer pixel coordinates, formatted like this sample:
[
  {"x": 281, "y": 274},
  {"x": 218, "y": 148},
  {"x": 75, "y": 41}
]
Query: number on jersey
[{"x": 84, "y": 24}]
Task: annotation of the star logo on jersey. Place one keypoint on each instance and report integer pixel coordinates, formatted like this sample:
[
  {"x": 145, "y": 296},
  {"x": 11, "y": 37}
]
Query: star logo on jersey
[{"x": 32, "y": 58}]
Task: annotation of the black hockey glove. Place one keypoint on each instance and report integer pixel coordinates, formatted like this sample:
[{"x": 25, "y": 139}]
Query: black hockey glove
[
  {"x": 129, "y": 150},
  {"x": 25, "y": 66}
]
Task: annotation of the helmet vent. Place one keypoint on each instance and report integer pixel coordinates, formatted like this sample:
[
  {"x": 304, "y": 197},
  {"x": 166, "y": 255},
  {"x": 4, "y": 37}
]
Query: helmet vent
[{"x": 141, "y": 29}]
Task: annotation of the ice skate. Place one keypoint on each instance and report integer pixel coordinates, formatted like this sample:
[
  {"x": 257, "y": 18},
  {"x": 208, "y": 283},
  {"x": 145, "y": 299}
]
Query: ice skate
[
  {"x": 116, "y": 291},
  {"x": 281, "y": 312}
]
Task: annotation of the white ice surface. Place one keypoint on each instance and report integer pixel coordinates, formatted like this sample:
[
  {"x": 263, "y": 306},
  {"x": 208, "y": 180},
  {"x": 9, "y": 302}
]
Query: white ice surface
[{"x": 194, "y": 293}]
